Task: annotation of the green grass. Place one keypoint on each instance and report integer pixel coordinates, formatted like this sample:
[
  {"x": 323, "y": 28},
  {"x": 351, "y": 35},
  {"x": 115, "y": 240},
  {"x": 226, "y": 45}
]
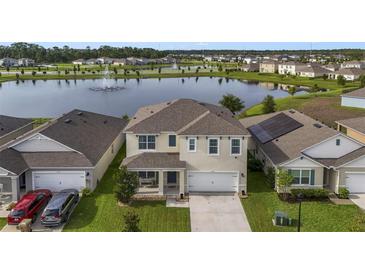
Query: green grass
[
  {"x": 3, "y": 222},
  {"x": 316, "y": 216},
  {"x": 100, "y": 212}
]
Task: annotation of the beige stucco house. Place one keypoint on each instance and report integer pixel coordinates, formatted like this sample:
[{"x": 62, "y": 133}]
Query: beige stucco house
[
  {"x": 72, "y": 151},
  {"x": 317, "y": 156},
  {"x": 269, "y": 66},
  {"x": 353, "y": 127},
  {"x": 186, "y": 146}
]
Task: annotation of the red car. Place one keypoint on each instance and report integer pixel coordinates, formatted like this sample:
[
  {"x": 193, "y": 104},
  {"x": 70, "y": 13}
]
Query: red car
[{"x": 29, "y": 206}]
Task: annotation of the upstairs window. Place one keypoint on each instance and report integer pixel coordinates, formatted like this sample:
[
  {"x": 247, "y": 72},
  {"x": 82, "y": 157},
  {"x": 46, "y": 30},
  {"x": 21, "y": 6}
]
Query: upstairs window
[
  {"x": 172, "y": 140},
  {"x": 192, "y": 144},
  {"x": 213, "y": 146},
  {"x": 146, "y": 142},
  {"x": 235, "y": 146}
]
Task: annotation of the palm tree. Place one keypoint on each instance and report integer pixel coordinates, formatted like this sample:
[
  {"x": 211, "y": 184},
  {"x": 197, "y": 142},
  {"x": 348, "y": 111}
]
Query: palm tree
[{"x": 232, "y": 102}]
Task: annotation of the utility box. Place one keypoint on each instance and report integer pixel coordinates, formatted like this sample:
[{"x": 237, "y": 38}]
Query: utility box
[{"x": 282, "y": 219}]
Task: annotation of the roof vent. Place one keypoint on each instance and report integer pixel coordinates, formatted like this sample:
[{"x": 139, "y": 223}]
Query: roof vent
[
  {"x": 291, "y": 111},
  {"x": 151, "y": 111},
  {"x": 67, "y": 121},
  {"x": 317, "y": 125},
  {"x": 79, "y": 113},
  {"x": 168, "y": 103},
  {"x": 105, "y": 121},
  {"x": 134, "y": 118}
]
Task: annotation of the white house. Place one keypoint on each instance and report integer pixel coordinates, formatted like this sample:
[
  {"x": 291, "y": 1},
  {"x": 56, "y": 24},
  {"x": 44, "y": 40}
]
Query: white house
[
  {"x": 349, "y": 74},
  {"x": 26, "y": 62},
  {"x": 353, "y": 64},
  {"x": 355, "y": 99},
  {"x": 289, "y": 68}
]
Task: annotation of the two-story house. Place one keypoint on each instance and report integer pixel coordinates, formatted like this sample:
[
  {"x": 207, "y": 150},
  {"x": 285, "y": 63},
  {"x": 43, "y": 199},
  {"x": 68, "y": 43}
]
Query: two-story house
[{"x": 187, "y": 146}]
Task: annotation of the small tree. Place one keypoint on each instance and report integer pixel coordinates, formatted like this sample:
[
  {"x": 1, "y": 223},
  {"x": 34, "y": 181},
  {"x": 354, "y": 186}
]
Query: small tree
[
  {"x": 292, "y": 90},
  {"x": 131, "y": 221},
  {"x": 283, "y": 181},
  {"x": 268, "y": 104},
  {"x": 220, "y": 68},
  {"x": 126, "y": 184},
  {"x": 232, "y": 102},
  {"x": 362, "y": 81},
  {"x": 270, "y": 177},
  {"x": 159, "y": 70},
  {"x": 341, "y": 81}
]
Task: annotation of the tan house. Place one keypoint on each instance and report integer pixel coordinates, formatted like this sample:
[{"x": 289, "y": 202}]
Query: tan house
[
  {"x": 354, "y": 128},
  {"x": 72, "y": 151},
  {"x": 269, "y": 66},
  {"x": 312, "y": 71},
  {"x": 349, "y": 74},
  {"x": 185, "y": 146},
  {"x": 316, "y": 156}
]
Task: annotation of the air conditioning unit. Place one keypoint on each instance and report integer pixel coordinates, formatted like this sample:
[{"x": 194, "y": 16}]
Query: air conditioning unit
[{"x": 281, "y": 219}]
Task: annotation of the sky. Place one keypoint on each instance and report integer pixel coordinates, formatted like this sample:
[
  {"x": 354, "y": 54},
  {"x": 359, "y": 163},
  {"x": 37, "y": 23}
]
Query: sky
[{"x": 210, "y": 45}]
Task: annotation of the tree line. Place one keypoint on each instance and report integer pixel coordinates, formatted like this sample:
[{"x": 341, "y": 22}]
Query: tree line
[{"x": 67, "y": 54}]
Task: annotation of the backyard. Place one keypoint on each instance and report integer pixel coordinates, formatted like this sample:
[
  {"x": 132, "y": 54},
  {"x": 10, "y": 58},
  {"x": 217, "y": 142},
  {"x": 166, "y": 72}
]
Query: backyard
[
  {"x": 317, "y": 216},
  {"x": 100, "y": 212}
]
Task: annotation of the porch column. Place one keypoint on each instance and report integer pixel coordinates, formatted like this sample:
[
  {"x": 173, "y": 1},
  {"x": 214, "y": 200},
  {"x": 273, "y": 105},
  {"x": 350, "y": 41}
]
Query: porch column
[
  {"x": 160, "y": 182},
  {"x": 15, "y": 188},
  {"x": 182, "y": 182}
]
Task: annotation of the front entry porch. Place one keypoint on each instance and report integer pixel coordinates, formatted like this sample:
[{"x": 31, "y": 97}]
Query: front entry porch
[{"x": 161, "y": 182}]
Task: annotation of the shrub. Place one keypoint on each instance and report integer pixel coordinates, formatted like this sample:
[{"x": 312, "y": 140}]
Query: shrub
[
  {"x": 86, "y": 192},
  {"x": 126, "y": 184},
  {"x": 310, "y": 193},
  {"x": 343, "y": 193},
  {"x": 254, "y": 164},
  {"x": 270, "y": 177},
  {"x": 268, "y": 104},
  {"x": 131, "y": 221}
]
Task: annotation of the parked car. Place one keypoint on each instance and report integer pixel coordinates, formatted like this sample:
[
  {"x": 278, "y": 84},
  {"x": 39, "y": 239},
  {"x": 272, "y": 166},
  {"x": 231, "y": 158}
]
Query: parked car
[
  {"x": 29, "y": 206},
  {"x": 59, "y": 207}
]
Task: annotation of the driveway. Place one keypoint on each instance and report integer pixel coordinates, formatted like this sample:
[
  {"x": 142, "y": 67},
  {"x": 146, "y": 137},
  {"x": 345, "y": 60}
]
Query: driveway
[
  {"x": 358, "y": 199},
  {"x": 217, "y": 213}
]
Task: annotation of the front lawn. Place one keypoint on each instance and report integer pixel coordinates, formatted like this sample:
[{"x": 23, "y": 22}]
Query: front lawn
[
  {"x": 101, "y": 212},
  {"x": 316, "y": 216},
  {"x": 2, "y": 222}
]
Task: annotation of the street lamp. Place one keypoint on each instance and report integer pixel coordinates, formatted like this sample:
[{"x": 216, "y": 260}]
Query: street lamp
[{"x": 299, "y": 198}]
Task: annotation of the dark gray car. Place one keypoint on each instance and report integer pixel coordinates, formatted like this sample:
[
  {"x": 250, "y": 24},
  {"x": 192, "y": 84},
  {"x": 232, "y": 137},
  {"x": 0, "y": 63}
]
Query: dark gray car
[{"x": 59, "y": 207}]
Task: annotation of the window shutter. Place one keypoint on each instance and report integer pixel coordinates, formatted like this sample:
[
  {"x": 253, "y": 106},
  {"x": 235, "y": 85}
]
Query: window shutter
[{"x": 313, "y": 173}]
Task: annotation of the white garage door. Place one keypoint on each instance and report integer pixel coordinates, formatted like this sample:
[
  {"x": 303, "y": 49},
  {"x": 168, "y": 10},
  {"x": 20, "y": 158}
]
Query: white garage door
[
  {"x": 213, "y": 181},
  {"x": 56, "y": 181},
  {"x": 355, "y": 182}
]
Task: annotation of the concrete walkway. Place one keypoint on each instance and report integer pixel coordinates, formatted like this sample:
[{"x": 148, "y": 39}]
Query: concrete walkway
[
  {"x": 217, "y": 213},
  {"x": 358, "y": 199}
]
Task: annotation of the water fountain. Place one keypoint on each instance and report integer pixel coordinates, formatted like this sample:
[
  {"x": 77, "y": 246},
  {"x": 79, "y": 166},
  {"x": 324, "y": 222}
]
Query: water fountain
[{"x": 107, "y": 84}]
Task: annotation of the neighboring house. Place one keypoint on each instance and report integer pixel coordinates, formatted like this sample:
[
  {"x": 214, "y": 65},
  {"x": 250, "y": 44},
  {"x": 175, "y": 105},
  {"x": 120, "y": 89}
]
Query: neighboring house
[
  {"x": 312, "y": 71},
  {"x": 105, "y": 60},
  {"x": 353, "y": 127},
  {"x": 13, "y": 127},
  {"x": 354, "y": 98},
  {"x": 79, "y": 62},
  {"x": 332, "y": 67},
  {"x": 91, "y": 62},
  {"x": 26, "y": 62},
  {"x": 350, "y": 74},
  {"x": 72, "y": 151},
  {"x": 269, "y": 66},
  {"x": 186, "y": 146},
  {"x": 120, "y": 61},
  {"x": 289, "y": 68},
  {"x": 316, "y": 156},
  {"x": 8, "y": 62},
  {"x": 251, "y": 67},
  {"x": 353, "y": 64},
  {"x": 250, "y": 59}
]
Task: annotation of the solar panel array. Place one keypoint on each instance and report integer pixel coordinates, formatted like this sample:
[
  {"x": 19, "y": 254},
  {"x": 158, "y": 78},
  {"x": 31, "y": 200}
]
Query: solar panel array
[{"x": 274, "y": 127}]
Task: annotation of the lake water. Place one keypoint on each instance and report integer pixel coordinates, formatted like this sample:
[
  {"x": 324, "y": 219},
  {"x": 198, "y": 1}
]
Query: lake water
[{"x": 52, "y": 98}]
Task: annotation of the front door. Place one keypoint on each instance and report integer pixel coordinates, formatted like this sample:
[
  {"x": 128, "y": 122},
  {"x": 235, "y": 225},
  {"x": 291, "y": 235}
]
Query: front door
[{"x": 171, "y": 177}]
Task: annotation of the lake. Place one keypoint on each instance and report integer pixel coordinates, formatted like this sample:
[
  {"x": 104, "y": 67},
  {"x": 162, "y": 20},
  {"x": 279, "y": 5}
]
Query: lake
[{"x": 51, "y": 98}]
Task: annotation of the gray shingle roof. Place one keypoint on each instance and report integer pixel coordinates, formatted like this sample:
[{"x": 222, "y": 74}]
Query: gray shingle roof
[
  {"x": 343, "y": 160},
  {"x": 150, "y": 160},
  {"x": 182, "y": 114},
  {"x": 12, "y": 161},
  {"x": 9, "y": 124},
  {"x": 56, "y": 159},
  {"x": 357, "y": 123},
  {"x": 89, "y": 133},
  {"x": 359, "y": 93},
  {"x": 290, "y": 145},
  {"x": 349, "y": 71}
]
